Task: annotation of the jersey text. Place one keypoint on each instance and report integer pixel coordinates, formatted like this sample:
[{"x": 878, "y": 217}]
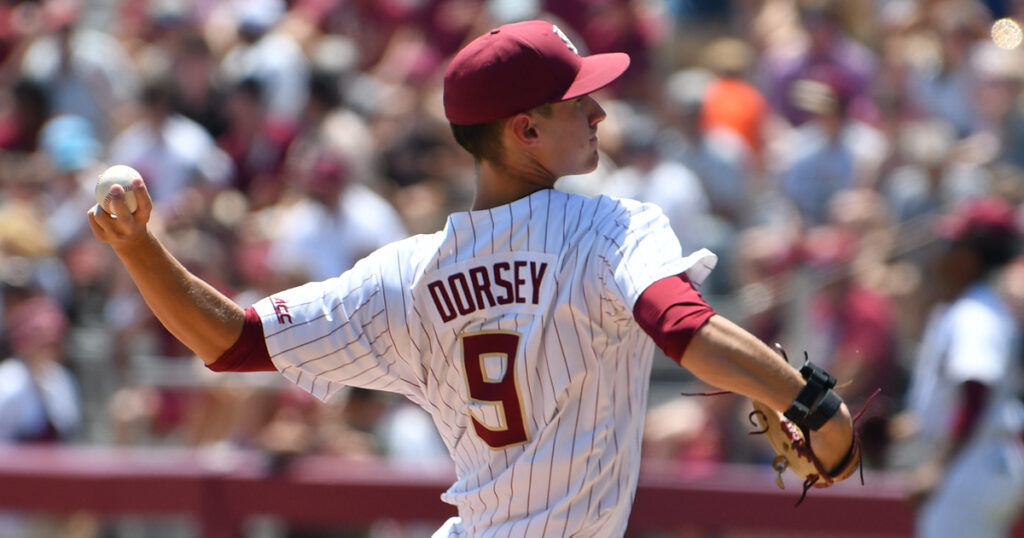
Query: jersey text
[{"x": 487, "y": 286}]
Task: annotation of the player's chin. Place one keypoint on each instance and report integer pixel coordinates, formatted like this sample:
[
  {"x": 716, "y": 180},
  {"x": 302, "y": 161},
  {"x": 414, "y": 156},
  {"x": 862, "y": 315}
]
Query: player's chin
[
  {"x": 582, "y": 164},
  {"x": 580, "y": 170}
]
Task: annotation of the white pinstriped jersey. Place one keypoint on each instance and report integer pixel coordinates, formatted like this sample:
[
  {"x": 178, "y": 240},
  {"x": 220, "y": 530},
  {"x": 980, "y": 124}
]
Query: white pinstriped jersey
[{"x": 513, "y": 328}]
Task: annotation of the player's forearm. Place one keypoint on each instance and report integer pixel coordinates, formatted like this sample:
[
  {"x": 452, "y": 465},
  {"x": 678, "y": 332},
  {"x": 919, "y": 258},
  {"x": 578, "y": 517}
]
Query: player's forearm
[
  {"x": 726, "y": 356},
  {"x": 198, "y": 315}
]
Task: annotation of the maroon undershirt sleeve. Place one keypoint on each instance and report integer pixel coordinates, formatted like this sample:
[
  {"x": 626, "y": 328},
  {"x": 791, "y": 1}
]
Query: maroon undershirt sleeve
[
  {"x": 671, "y": 311},
  {"x": 249, "y": 353},
  {"x": 974, "y": 396}
]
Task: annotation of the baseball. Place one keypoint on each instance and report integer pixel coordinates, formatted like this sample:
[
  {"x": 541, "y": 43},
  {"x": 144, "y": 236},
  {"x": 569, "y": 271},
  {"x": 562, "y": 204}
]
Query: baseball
[
  {"x": 1006, "y": 33},
  {"x": 121, "y": 175}
]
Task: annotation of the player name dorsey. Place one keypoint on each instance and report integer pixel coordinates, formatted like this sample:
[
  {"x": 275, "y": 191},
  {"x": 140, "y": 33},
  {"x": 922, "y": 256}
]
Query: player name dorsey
[{"x": 488, "y": 286}]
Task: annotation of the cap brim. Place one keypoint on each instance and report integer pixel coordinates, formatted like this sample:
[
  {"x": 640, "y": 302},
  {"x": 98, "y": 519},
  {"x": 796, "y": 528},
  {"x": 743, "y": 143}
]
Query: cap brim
[{"x": 596, "y": 72}]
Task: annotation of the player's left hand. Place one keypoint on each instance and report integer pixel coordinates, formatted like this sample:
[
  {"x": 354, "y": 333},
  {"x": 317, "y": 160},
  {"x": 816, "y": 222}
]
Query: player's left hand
[
  {"x": 819, "y": 450},
  {"x": 123, "y": 228},
  {"x": 821, "y": 458}
]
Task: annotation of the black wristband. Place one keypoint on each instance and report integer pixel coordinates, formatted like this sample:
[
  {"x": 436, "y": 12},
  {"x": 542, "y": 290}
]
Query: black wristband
[
  {"x": 816, "y": 374},
  {"x": 827, "y": 407},
  {"x": 803, "y": 403},
  {"x": 810, "y": 398}
]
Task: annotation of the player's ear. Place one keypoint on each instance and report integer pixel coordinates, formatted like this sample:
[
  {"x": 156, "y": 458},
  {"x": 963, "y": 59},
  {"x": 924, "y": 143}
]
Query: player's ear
[{"x": 524, "y": 129}]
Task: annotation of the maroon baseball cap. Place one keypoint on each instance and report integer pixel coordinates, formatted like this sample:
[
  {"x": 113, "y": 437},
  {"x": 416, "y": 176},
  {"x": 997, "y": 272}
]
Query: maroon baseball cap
[
  {"x": 520, "y": 66},
  {"x": 981, "y": 217},
  {"x": 988, "y": 226}
]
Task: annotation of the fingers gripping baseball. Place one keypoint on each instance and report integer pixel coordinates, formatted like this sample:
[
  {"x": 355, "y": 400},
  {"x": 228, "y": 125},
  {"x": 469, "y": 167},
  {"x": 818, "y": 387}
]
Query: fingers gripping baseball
[{"x": 121, "y": 225}]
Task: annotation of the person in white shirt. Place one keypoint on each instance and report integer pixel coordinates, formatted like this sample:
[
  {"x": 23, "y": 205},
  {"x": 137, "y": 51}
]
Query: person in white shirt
[
  {"x": 38, "y": 396},
  {"x": 963, "y": 400}
]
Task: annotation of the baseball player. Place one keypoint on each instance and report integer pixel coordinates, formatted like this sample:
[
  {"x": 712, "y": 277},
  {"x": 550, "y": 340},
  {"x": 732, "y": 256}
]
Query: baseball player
[
  {"x": 526, "y": 327},
  {"x": 963, "y": 398}
]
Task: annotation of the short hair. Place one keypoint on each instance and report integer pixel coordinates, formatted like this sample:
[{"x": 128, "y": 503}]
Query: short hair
[
  {"x": 483, "y": 140},
  {"x": 993, "y": 251}
]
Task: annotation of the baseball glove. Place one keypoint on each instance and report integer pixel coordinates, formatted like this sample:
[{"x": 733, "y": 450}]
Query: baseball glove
[
  {"x": 793, "y": 450},
  {"x": 789, "y": 432}
]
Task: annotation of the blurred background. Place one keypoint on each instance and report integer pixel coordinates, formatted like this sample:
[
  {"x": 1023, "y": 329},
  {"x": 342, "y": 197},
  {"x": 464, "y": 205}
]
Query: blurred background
[{"x": 812, "y": 144}]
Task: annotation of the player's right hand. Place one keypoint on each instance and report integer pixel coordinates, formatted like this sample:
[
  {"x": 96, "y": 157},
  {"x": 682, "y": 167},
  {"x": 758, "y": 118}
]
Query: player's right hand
[{"x": 123, "y": 228}]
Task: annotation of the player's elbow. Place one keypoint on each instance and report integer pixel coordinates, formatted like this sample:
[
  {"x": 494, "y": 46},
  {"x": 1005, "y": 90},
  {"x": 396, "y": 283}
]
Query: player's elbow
[{"x": 248, "y": 353}]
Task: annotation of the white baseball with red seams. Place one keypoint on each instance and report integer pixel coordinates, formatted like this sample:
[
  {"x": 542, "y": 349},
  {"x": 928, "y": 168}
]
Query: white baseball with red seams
[
  {"x": 513, "y": 327},
  {"x": 118, "y": 174}
]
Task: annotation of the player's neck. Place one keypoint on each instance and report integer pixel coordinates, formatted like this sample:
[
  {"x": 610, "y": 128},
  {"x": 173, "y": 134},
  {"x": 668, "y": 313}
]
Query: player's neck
[{"x": 500, "y": 185}]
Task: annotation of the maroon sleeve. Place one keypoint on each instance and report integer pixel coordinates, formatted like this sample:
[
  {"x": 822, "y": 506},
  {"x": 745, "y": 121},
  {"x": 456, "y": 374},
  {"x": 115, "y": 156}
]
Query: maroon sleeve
[
  {"x": 671, "y": 311},
  {"x": 249, "y": 353},
  {"x": 973, "y": 401}
]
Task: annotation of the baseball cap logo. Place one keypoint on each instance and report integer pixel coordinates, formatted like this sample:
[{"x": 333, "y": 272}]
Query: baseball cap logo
[{"x": 565, "y": 39}]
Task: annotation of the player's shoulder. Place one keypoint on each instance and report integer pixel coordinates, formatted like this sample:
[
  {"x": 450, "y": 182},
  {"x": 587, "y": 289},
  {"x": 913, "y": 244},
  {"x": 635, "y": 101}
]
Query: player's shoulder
[
  {"x": 602, "y": 205},
  {"x": 981, "y": 304},
  {"x": 608, "y": 217},
  {"x": 406, "y": 256},
  {"x": 620, "y": 212}
]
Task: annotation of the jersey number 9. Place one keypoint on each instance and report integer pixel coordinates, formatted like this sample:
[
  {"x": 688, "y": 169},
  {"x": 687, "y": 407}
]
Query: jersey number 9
[{"x": 500, "y": 391}]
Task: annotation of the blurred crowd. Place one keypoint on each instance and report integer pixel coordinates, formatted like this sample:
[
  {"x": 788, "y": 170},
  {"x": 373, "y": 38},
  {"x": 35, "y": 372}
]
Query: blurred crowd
[{"x": 812, "y": 144}]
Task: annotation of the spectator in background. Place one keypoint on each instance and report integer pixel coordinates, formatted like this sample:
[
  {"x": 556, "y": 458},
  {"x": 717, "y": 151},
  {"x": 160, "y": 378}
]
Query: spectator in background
[
  {"x": 24, "y": 117},
  {"x": 730, "y": 101},
  {"x": 39, "y": 399},
  {"x": 718, "y": 155},
  {"x": 636, "y": 28},
  {"x": 829, "y": 153},
  {"x": 27, "y": 252},
  {"x": 324, "y": 100},
  {"x": 825, "y": 45},
  {"x": 198, "y": 95},
  {"x": 765, "y": 257},
  {"x": 331, "y": 221},
  {"x": 931, "y": 174},
  {"x": 23, "y": 110},
  {"x": 645, "y": 175},
  {"x": 962, "y": 405},
  {"x": 171, "y": 151},
  {"x": 943, "y": 85},
  {"x": 268, "y": 55},
  {"x": 85, "y": 70},
  {"x": 91, "y": 342},
  {"x": 256, "y": 143},
  {"x": 72, "y": 152},
  {"x": 38, "y": 395},
  {"x": 1000, "y": 132}
]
